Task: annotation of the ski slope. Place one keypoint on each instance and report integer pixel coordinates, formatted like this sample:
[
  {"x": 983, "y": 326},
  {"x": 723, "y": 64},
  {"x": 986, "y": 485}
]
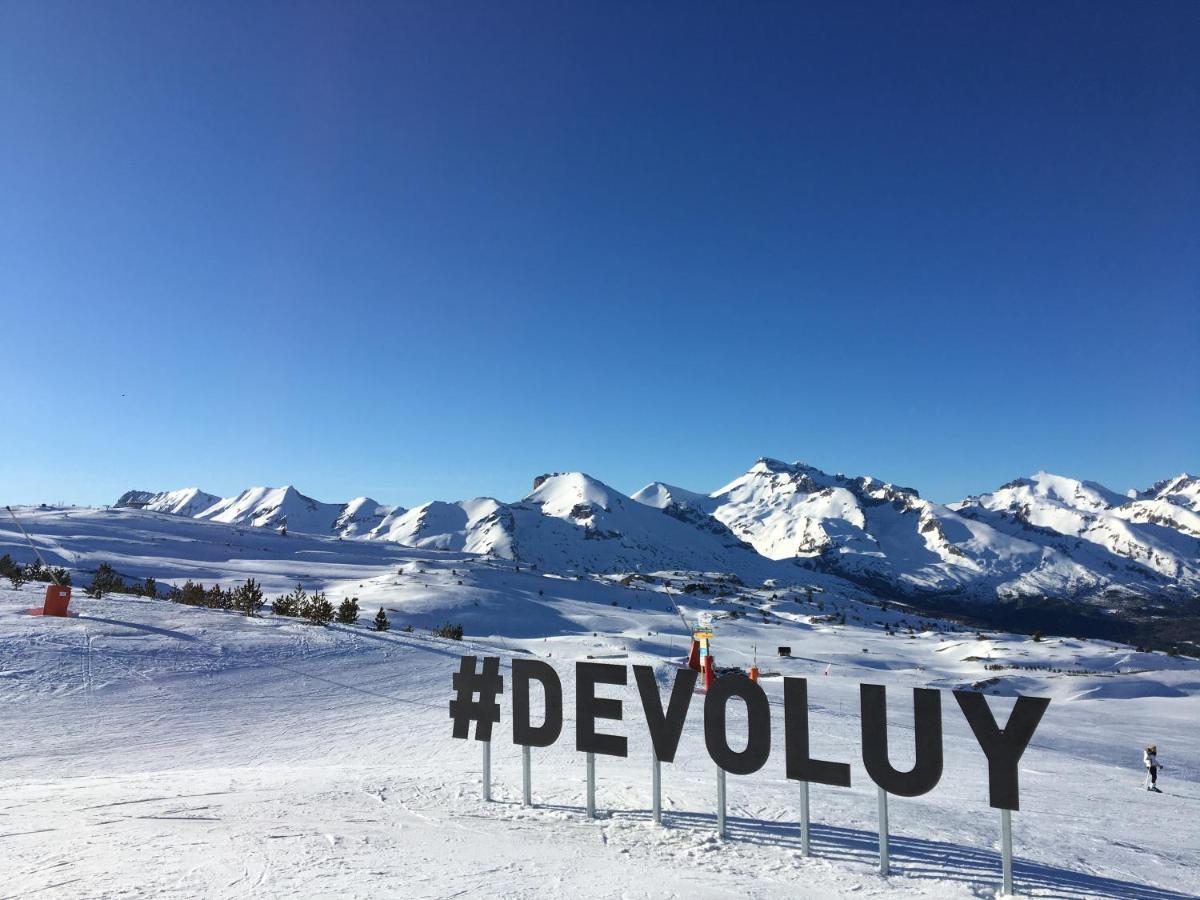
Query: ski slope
[{"x": 154, "y": 749}]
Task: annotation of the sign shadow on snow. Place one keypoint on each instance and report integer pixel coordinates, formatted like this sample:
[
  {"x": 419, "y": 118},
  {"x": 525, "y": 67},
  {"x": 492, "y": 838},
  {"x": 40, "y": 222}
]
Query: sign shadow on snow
[{"x": 912, "y": 857}]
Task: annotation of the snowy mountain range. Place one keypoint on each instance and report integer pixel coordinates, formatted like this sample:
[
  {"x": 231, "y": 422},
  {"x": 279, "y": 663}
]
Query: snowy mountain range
[{"x": 1040, "y": 537}]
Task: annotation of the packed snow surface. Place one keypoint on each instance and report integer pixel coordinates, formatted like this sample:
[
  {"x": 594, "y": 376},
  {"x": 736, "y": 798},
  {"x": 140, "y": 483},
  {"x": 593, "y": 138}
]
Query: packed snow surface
[{"x": 159, "y": 750}]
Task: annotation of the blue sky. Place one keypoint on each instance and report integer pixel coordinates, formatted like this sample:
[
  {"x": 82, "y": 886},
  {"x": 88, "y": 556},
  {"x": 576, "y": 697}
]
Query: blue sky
[{"x": 422, "y": 250}]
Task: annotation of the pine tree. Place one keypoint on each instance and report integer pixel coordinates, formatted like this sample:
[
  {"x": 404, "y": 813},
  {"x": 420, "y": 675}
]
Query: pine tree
[
  {"x": 347, "y": 613},
  {"x": 248, "y": 598},
  {"x": 11, "y": 571},
  {"x": 191, "y": 594},
  {"x": 319, "y": 611},
  {"x": 381, "y": 621},
  {"x": 105, "y": 581},
  {"x": 150, "y": 588},
  {"x": 218, "y": 598},
  {"x": 282, "y": 605},
  {"x": 291, "y": 604}
]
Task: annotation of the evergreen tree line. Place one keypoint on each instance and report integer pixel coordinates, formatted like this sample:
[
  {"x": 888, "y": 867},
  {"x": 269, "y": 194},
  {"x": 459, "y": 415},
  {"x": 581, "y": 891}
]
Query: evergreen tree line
[
  {"x": 315, "y": 607},
  {"x": 107, "y": 581},
  {"x": 247, "y": 598},
  {"x": 19, "y": 574}
]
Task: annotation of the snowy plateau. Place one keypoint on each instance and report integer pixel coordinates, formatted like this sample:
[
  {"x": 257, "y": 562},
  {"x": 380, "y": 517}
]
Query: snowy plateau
[{"x": 156, "y": 749}]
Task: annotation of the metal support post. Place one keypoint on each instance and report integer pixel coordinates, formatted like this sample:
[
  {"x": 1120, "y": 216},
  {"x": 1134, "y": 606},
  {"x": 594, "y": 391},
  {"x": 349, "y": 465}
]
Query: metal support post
[
  {"x": 804, "y": 839},
  {"x": 656, "y": 787},
  {"x": 884, "y": 867},
  {"x": 1006, "y": 848},
  {"x": 487, "y": 770},
  {"x": 721, "y": 803},
  {"x": 526, "y": 777},
  {"x": 591, "y": 785}
]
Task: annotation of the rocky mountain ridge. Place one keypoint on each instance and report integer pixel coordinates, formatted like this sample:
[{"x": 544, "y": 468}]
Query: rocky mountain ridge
[{"x": 1044, "y": 537}]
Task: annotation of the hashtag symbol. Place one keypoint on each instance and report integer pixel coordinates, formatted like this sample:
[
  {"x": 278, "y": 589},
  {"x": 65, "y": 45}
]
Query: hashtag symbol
[{"x": 465, "y": 708}]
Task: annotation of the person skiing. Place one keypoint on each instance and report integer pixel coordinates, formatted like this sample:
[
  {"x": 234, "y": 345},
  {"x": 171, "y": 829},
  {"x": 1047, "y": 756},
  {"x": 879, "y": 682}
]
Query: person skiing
[{"x": 1150, "y": 759}]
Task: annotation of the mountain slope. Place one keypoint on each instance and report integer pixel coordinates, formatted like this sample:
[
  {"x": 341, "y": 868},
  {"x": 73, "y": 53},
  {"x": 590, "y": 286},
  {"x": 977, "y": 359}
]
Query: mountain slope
[
  {"x": 361, "y": 516},
  {"x": 868, "y": 530},
  {"x": 1173, "y": 503},
  {"x": 573, "y": 521},
  {"x": 475, "y": 526},
  {"x": 1042, "y": 537},
  {"x": 189, "y": 502},
  {"x": 1046, "y": 536},
  {"x": 286, "y": 507},
  {"x": 1150, "y": 539}
]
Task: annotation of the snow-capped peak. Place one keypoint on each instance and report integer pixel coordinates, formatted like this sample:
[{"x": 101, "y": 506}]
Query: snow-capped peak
[
  {"x": 183, "y": 502},
  {"x": 361, "y": 516},
  {"x": 1041, "y": 535},
  {"x": 1117, "y": 538},
  {"x": 1183, "y": 489},
  {"x": 660, "y": 495},
  {"x": 1072, "y": 492},
  {"x": 565, "y": 494}
]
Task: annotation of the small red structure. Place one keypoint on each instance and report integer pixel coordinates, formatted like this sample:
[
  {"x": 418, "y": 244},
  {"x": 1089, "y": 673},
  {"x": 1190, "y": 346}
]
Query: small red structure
[
  {"x": 694, "y": 656},
  {"x": 58, "y": 598}
]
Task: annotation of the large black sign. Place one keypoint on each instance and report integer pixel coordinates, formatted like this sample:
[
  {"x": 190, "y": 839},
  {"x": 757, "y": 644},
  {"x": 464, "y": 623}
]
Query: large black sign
[{"x": 594, "y": 714}]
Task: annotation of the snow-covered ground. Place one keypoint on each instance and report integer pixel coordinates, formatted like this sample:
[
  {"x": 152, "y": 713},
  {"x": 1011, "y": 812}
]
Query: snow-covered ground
[{"x": 153, "y": 749}]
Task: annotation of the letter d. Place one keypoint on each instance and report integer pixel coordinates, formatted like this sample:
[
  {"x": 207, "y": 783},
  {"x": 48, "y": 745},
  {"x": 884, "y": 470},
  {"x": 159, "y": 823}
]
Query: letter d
[{"x": 524, "y": 733}]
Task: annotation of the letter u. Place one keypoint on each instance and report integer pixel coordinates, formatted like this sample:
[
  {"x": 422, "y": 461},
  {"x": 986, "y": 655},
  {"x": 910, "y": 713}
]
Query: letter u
[{"x": 927, "y": 714}]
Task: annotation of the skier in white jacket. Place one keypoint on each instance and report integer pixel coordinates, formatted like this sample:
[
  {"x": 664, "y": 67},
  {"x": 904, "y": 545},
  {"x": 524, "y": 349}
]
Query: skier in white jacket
[{"x": 1150, "y": 759}]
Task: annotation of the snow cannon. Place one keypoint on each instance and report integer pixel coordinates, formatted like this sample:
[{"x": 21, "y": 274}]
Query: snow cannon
[
  {"x": 58, "y": 596},
  {"x": 703, "y": 639}
]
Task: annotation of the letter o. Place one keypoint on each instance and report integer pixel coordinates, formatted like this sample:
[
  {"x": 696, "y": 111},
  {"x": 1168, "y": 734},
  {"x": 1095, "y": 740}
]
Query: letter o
[{"x": 758, "y": 721}]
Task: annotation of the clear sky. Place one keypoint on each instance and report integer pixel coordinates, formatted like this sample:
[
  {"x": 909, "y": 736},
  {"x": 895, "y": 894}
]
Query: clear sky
[{"x": 419, "y": 250}]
